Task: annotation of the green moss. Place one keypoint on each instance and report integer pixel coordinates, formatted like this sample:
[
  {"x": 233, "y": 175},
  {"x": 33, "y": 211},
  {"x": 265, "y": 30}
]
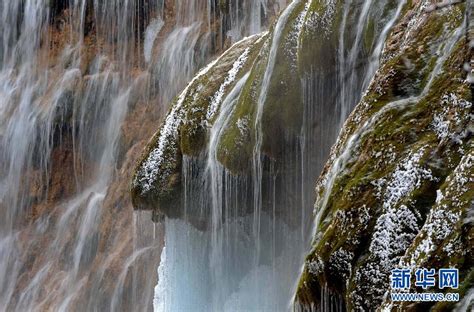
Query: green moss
[
  {"x": 235, "y": 148},
  {"x": 320, "y": 45},
  {"x": 192, "y": 133},
  {"x": 282, "y": 110},
  {"x": 283, "y": 107},
  {"x": 369, "y": 35}
]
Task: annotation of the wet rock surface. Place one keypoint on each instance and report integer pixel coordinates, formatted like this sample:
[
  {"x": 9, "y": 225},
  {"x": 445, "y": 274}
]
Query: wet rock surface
[{"x": 397, "y": 189}]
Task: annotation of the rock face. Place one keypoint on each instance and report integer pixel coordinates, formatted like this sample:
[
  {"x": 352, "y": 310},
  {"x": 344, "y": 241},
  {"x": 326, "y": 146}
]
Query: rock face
[{"x": 398, "y": 188}]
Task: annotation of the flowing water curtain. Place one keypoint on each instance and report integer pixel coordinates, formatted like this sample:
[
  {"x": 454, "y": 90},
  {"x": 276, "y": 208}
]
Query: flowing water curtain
[
  {"x": 203, "y": 27},
  {"x": 80, "y": 96},
  {"x": 16, "y": 48},
  {"x": 247, "y": 17}
]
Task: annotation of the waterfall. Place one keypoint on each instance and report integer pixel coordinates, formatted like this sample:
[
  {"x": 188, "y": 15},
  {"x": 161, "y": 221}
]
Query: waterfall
[
  {"x": 75, "y": 78},
  {"x": 355, "y": 59},
  {"x": 248, "y": 253},
  {"x": 84, "y": 83},
  {"x": 184, "y": 50},
  {"x": 257, "y": 157},
  {"x": 59, "y": 115}
]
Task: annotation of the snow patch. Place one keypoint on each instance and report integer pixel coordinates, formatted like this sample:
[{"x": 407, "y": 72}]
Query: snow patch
[
  {"x": 293, "y": 38},
  {"x": 148, "y": 172},
  {"x": 317, "y": 22},
  {"x": 341, "y": 260},
  {"x": 451, "y": 118},
  {"x": 315, "y": 266},
  {"x": 394, "y": 232},
  {"x": 234, "y": 71},
  {"x": 243, "y": 125},
  {"x": 442, "y": 219},
  {"x": 406, "y": 178}
]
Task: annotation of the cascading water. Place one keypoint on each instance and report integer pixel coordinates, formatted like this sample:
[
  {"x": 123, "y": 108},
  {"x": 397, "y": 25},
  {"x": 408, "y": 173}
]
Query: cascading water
[
  {"x": 247, "y": 253},
  {"x": 73, "y": 76},
  {"x": 355, "y": 57},
  {"x": 188, "y": 45},
  {"x": 249, "y": 20},
  {"x": 57, "y": 115}
]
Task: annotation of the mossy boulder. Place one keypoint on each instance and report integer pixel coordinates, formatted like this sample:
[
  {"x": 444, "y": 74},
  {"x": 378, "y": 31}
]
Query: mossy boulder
[
  {"x": 400, "y": 177},
  {"x": 157, "y": 181}
]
